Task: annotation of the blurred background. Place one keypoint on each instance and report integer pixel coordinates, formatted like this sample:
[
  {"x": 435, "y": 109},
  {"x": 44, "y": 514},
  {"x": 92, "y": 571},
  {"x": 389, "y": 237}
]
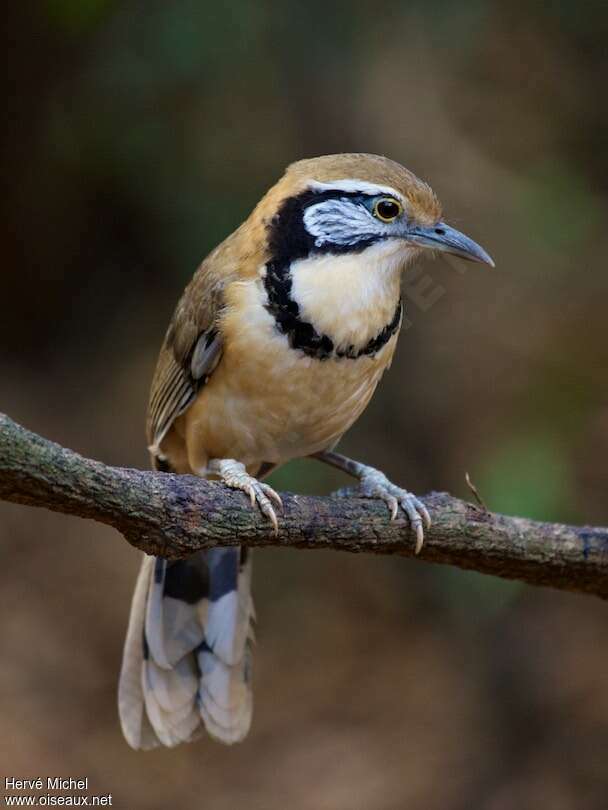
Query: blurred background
[{"x": 137, "y": 135}]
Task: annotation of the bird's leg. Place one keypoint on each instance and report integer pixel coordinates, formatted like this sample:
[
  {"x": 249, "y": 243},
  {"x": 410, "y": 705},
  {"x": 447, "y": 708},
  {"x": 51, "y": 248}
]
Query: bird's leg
[
  {"x": 374, "y": 484},
  {"x": 234, "y": 474}
]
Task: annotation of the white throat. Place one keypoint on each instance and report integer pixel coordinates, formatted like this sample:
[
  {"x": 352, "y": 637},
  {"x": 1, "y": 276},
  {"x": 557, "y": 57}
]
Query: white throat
[{"x": 350, "y": 297}]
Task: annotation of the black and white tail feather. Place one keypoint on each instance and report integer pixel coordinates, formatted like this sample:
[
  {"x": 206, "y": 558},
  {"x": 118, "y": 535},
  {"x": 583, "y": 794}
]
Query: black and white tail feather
[{"x": 187, "y": 655}]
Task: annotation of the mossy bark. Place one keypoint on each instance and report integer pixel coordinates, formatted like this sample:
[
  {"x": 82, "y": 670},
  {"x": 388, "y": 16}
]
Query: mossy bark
[{"x": 173, "y": 516}]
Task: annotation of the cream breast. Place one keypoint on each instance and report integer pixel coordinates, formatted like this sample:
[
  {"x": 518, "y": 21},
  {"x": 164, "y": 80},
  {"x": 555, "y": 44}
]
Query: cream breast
[
  {"x": 349, "y": 297},
  {"x": 269, "y": 402}
]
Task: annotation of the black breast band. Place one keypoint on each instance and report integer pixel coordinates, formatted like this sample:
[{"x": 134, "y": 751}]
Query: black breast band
[{"x": 301, "y": 334}]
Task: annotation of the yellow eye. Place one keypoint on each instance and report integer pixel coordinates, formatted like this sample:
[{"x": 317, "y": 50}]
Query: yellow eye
[{"x": 387, "y": 209}]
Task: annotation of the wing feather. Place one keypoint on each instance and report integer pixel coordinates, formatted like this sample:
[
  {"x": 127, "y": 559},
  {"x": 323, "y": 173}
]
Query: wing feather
[
  {"x": 191, "y": 351},
  {"x": 192, "y": 348}
]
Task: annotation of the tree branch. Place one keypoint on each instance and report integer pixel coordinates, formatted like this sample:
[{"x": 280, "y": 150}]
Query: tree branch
[{"x": 176, "y": 515}]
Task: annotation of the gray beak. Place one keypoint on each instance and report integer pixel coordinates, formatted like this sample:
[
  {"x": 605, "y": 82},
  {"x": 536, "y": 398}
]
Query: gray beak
[{"x": 448, "y": 240}]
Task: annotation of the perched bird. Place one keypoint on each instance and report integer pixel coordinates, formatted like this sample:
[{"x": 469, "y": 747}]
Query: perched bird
[{"x": 274, "y": 350}]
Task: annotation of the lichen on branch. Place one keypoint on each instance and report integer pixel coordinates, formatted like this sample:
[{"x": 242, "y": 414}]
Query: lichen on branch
[{"x": 176, "y": 515}]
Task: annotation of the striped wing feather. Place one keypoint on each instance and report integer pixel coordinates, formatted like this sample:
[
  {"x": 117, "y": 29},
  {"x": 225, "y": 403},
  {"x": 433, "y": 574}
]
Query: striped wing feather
[{"x": 191, "y": 350}]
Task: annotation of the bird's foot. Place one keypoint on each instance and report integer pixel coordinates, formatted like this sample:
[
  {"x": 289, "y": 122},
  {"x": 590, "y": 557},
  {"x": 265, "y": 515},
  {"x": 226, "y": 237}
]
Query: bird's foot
[
  {"x": 234, "y": 474},
  {"x": 374, "y": 484}
]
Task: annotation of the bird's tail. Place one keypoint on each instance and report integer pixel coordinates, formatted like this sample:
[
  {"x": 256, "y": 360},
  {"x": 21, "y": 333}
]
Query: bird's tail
[{"x": 186, "y": 660}]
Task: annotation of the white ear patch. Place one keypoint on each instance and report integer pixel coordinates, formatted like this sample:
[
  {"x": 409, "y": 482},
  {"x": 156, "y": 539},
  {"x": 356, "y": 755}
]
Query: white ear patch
[{"x": 340, "y": 222}]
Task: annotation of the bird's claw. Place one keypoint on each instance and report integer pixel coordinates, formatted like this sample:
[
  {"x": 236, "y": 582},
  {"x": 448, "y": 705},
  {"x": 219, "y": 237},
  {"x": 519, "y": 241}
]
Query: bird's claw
[
  {"x": 374, "y": 484},
  {"x": 235, "y": 476},
  {"x": 263, "y": 494}
]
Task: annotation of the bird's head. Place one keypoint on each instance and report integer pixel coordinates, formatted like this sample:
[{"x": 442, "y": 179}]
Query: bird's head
[
  {"x": 340, "y": 204},
  {"x": 337, "y": 232}
]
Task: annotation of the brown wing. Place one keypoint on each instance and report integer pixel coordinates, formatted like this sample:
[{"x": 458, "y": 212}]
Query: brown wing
[
  {"x": 190, "y": 352},
  {"x": 193, "y": 343}
]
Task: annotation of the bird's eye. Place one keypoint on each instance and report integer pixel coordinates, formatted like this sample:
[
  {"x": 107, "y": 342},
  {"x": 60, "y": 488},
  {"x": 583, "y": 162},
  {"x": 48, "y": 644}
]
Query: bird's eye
[{"x": 387, "y": 209}]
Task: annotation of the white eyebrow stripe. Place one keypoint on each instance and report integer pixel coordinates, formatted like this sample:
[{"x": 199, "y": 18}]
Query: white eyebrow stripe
[{"x": 351, "y": 184}]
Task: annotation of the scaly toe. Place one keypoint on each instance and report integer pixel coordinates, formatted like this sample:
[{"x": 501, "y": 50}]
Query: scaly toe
[
  {"x": 267, "y": 510},
  {"x": 409, "y": 504},
  {"x": 234, "y": 475},
  {"x": 393, "y": 505},
  {"x": 422, "y": 510},
  {"x": 417, "y": 514},
  {"x": 376, "y": 485},
  {"x": 265, "y": 506},
  {"x": 272, "y": 517},
  {"x": 272, "y": 495}
]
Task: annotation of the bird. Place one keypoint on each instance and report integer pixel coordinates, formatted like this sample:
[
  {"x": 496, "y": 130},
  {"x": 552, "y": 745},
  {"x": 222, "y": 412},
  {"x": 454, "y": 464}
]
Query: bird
[{"x": 274, "y": 350}]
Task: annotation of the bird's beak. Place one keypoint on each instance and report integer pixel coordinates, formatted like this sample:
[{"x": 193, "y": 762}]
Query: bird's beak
[{"x": 448, "y": 240}]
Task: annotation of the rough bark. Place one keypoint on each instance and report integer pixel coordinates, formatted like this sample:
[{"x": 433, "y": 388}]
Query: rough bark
[{"x": 173, "y": 516}]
